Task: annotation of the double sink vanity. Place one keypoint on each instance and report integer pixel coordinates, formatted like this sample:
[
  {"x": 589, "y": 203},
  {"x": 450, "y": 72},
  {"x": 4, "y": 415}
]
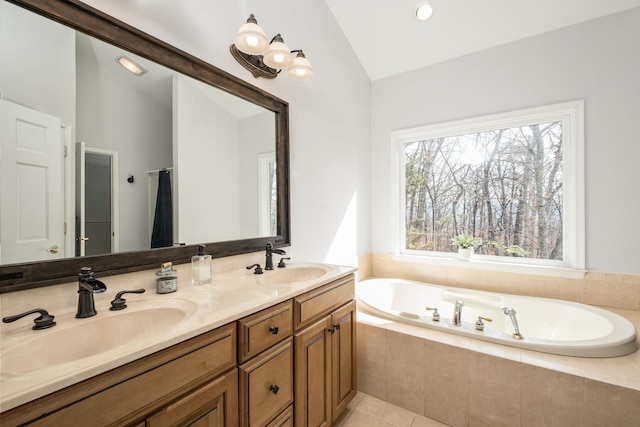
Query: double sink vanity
[{"x": 248, "y": 349}]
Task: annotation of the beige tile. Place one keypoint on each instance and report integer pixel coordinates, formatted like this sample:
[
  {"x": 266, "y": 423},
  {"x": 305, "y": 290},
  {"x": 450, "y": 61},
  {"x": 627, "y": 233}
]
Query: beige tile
[
  {"x": 445, "y": 412},
  {"x": 385, "y": 411},
  {"x": 480, "y": 420},
  {"x": 405, "y": 355},
  {"x": 380, "y": 265},
  {"x": 609, "y": 405},
  {"x": 559, "y": 288},
  {"x": 551, "y": 398},
  {"x": 593, "y": 275},
  {"x": 371, "y": 354},
  {"x": 468, "y": 278},
  {"x": 360, "y": 419},
  {"x": 365, "y": 269},
  {"x": 372, "y": 386},
  {"x": 340, "y": 422},
  {"x": 410, "y": 400},
  {"x": 400, "y": 270},
  {"x": 513, "y": 283},
  {"x": 621, "y": 278},
  {"x": 446, "y": 375},
  {"x": 498, "y": 350},
  {"x": 420, "y": 421},
  {"x": 430, "y": 273},
  {"x": 565, "y": 364},
  {"x": 494, "y": 390},
  {"x": 610, "y": 294}
]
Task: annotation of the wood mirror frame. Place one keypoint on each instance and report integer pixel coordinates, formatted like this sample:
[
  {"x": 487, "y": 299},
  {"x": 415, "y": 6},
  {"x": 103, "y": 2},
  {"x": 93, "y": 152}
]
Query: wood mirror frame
[{"x": 83, "y": 18}]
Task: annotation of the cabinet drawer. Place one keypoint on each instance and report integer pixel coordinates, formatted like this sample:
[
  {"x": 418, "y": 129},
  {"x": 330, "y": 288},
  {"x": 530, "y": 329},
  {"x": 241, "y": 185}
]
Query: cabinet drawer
[
  {"x": 266, "y": 385},
  {"x": 125, "y": 393},
  {"x": 285, "y": 419},
  {"x": 213, "y": 404},
  {"x": 264, "y": 329},
  {"x": 314, "y": 304}
]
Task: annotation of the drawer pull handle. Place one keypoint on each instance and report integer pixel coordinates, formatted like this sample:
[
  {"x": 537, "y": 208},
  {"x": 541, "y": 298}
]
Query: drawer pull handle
[
  {"x": 274, "y": 389},
  {"x": 273, "y": 330}
]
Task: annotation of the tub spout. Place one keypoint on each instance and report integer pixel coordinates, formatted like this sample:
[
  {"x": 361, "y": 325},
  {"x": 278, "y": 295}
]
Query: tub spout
[
  {"x": 512, "y": 315},
  {"x": 457, "y": 313}
]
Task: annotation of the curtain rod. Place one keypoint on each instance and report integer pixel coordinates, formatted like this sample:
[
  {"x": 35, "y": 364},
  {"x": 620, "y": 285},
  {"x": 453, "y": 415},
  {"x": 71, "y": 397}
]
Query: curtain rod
[{"x": 160, "y": 170}]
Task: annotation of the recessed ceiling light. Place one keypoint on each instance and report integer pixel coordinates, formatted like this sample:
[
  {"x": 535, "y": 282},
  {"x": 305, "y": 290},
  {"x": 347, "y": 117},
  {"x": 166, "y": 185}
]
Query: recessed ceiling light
[
  {"x": 131, "y": 65},
  {"x": 424, "y": 11}
]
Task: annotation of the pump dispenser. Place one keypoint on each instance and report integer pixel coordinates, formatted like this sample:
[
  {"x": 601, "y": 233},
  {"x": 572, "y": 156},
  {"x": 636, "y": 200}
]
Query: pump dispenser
[{"x": 200, "y": 267}]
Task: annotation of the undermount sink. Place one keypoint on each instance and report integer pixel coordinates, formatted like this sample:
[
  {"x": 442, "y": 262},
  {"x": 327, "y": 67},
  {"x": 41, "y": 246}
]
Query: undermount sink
[
  {"x": 291, "y": 275},
  {"x": 83, "y": 338}
]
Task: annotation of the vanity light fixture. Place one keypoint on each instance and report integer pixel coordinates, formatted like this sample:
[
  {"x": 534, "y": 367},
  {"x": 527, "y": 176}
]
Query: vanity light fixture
[
  {"x": 424, "y": 11},
  {"x": 264, "y": 59},
  {"x": 131, "y": 65}
]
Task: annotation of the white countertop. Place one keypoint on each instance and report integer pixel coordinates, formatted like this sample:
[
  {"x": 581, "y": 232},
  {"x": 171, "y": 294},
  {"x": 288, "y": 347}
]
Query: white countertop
[{"x": 228, "y": 298}]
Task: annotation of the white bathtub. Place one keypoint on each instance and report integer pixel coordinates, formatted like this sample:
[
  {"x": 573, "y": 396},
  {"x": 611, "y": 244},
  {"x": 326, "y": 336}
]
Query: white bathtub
[{"x": 546, "y": 325}]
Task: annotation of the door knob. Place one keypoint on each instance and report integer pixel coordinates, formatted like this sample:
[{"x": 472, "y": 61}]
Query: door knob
[{"x": 54, "y": 249}]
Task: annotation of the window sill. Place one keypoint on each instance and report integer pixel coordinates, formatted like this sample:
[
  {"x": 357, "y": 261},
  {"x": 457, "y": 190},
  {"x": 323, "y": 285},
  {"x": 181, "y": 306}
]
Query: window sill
[{"x": 502, "y": 267}]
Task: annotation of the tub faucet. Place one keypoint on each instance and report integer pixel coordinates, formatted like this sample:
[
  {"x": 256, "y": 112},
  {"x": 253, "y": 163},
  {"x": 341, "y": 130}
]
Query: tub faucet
[
  {"x": 87, "y": 286},
  {"x": 268, "y": 264},
  {"x": 457, "y": 313},
  {"x": 512, "y": 315}
]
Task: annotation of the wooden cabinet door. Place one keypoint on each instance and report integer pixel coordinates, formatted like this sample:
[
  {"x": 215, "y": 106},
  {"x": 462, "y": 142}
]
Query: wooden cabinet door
[
  {"x": 215, "y": 404},
  {"x": 312, "y": 402},
  {"x": 266, "y": 385},
  {"x": 343, "y": 358}
]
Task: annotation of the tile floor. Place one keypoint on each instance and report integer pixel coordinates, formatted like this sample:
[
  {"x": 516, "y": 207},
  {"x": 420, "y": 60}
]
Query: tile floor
[{"x": 368, "y": 411}]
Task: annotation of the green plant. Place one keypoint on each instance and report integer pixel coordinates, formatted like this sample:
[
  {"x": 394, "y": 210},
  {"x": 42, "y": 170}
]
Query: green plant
[{"x": 465, "y": 241}]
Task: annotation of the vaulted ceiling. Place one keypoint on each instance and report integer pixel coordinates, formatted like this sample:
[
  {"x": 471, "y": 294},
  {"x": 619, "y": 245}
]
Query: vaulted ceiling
[{"x": 388, "y": 39}]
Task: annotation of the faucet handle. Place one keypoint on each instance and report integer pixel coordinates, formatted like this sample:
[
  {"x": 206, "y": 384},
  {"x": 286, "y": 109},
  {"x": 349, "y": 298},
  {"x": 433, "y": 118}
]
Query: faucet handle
[
  {"x": 480, "y": 323},
  {"x": 281, "y": 264},
  {"x": 120, "y": 303},
  {"x": 436, "y": 316},
  {"x": 258, "y": 269},
  {"x": 44, "y": 321}
]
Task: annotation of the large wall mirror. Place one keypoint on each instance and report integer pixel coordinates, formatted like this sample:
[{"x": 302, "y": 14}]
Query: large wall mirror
[{"x": 120, "y": 172}]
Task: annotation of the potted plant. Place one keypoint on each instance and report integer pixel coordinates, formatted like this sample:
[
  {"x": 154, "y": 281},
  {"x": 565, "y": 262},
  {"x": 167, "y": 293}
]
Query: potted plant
[{"x": 466, "y": 244}]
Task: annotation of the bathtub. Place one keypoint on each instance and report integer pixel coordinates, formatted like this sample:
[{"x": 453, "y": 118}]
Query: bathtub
[{"x": 545, "y": 325}]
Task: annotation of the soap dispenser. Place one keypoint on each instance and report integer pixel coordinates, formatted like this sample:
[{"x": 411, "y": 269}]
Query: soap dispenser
[{"x": 200, "y": 267}]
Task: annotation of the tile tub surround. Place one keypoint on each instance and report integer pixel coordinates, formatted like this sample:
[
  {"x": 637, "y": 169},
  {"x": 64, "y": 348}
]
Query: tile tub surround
[
  {"x": 229, "y": 297},
  {"x": 460, "y": 381},
  {"x": 595, "y": 288}
]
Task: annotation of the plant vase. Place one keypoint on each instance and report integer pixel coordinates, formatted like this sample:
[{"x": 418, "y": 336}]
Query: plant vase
[{"x": 465, "y": 254}]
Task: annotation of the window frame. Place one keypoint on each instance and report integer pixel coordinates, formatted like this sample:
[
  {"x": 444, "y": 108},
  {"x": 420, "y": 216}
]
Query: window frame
[{"x": 571, "y": 114}]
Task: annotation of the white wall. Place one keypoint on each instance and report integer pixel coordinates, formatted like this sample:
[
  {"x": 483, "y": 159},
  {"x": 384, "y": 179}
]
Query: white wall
[
  {"x": 329, "y": 115},
  {"x": 206, "y": 161},
  {"x": 257, "y": 135},
  {"x": 22, "y": 53},
  {"x": 597, "y": 61}
]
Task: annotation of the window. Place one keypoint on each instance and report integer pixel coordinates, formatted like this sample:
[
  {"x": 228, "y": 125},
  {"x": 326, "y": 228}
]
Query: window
[{"x": 513, "y": 180}]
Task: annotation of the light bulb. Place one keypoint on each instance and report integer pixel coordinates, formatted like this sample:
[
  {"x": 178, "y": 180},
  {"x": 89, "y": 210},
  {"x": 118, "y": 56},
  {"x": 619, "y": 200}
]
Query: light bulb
[
  {"x": 252, "y": 41},
  {"x": 251, "y": 38},
  {"x": 301, "y": 68}
]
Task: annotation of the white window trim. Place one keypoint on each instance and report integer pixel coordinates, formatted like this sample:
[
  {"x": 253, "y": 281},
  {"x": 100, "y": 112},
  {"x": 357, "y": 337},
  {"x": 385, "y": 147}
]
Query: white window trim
[{"x": 572, "y": 116}]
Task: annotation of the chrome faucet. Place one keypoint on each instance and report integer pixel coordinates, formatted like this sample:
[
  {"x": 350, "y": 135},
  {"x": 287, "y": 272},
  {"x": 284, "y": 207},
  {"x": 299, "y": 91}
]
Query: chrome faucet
[
  {"x": 268, "y": 264},
  {"x": 87, "y": 286},
  {"x": 512, "y": 315},
  {"x": 457, "y": 313}
]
